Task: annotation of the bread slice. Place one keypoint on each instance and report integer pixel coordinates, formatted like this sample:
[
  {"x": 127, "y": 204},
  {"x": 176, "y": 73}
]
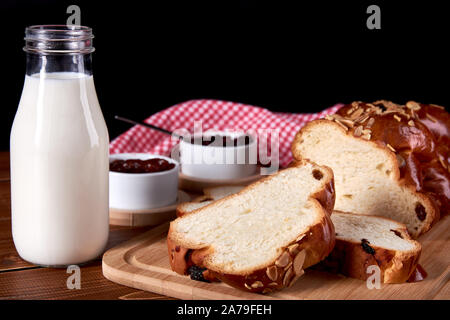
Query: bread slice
[
  {"x": 363, "y": 241},
  {"x": 396, "y": 254},
  {"x": 383, "y": 163},
  {"x": 217, "y": 193},
  {"x": 261, "y": 238},
  {"x": 210, "y": 195},
  {"x": 187, "y": 207}
]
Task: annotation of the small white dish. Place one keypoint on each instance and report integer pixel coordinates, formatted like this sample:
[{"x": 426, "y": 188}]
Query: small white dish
[
  {"x": 218, "y": 162},
  {"x": 142, "y": 191},
  {"x": 147, "y": 217}
]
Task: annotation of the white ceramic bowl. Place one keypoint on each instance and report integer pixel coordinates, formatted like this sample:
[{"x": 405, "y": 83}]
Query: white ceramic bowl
[
  {"x": 140, "y": 191},
  {"x": 217, "y": 162}
]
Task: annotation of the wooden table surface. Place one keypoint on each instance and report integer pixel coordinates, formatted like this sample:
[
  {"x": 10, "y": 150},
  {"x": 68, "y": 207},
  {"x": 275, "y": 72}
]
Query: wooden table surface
[{"x": 22, "y": 280}]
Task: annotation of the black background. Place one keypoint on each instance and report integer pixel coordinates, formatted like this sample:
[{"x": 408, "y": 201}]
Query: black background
[{"x": 285, "y": 57}]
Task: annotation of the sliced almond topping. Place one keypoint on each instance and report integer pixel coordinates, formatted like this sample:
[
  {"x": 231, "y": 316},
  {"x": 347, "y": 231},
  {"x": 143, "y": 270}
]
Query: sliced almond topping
[
  {"x": 328, "y": 117},
  {"x": 375, "y": 109},
  {"x": 366, "y": 131},
  {"x": 429, "y": 116},
  {"x": 287, "y": 277},
  {"x": 272, "y": 273},
  {"x": 413, "y": 105},
  {"x": 370, "y": 123},
  {"x": 294, "y": 279},
  {"x": 362, "y": 119},
  {"x": 441, "y": 160},
  {"x": 298, "y": 262},
  {"x": 267, "y": 290},
  {"x": 396, "y": 117},
  {"x": 247, "y": 286},
  {"x": 293, "y": 248},
  {"x": 437, "y": 106},
  {"x": 389, "y": 104},
  {"x": 391, "y": 148},
  {"x": 300, "y": 237},
  {"x": 283, "y": 260},
  {"x": 288, "y": 266},
  {"x": 257, "y": 284},
  {"x": 411, "y": 123},
  {"x": 356, "y": 114},
  {"x": 358, "y": 131},
  {"x": 273, "y": 284},
  {"x": 401, "y": 161},
  {"x": 347, "y": 122},
  {"x": 341, "y": 124},
  {"x": 366, "y": 136}
]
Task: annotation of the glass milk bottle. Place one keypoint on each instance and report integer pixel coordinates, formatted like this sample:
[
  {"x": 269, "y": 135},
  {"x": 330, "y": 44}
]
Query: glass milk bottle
[{"x": 59, "y": 152}]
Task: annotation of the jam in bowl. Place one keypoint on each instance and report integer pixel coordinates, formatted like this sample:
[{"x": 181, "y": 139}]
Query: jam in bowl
[
  {"x": 140, "y": 181},
  {"x": 140, "y": 166}
]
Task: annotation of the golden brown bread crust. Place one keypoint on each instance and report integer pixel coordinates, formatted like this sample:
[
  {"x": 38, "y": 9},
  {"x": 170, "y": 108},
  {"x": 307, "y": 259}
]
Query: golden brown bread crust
[
  {"x": 353, "y": 258},
  {"x": 417, "y": 135},
  {"x": 420, "y": 136},
  {"x": 312, "y": 246}
]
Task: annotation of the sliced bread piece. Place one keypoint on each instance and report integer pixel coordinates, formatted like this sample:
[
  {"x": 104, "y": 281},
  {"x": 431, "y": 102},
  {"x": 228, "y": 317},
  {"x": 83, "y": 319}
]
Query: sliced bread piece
[
  {"x": 210, "y": 195},
  {"x": 217, "y": 193},
  {"x": 261, "y": 238},
  {"x": 388, "y": 160},
  {"x": 363, "y": 241},
  {"x": 188, "y": 207}
]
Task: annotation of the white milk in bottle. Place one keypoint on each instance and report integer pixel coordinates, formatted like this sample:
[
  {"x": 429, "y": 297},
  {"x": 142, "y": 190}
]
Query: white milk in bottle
[{"x": 59, "y": 152}]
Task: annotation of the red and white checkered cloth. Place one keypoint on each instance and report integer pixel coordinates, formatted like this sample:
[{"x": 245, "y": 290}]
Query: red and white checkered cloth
[{"x": 214, "y": 115}]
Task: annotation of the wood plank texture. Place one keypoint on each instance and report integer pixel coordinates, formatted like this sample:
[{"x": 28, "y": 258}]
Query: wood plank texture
[
  {"x": 444, "y": 293},
  {"x": 45, "y": 283},
  {"x": 4, "y": 166},
  {"x": 143, "y": 263},
  {"x": 22, "y": 280}
]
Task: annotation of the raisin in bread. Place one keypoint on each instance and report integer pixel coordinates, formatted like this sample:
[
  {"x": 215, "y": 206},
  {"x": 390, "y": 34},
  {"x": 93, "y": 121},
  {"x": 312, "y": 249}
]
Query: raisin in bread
[
  {"x": 210, "y": 195},
  {"x": 261, "y": 238},
  {"x": 388, "y": 160},
  {"x": 363, "y": 241}
]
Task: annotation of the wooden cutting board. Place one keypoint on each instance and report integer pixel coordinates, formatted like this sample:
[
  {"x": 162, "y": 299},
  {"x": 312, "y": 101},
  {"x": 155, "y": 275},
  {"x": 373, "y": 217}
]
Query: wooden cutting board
[{"x": 143, "y": 263}]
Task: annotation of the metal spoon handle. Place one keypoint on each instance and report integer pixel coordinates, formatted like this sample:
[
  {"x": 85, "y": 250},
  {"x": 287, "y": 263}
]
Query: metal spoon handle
[{"x": 148, "y": 126}]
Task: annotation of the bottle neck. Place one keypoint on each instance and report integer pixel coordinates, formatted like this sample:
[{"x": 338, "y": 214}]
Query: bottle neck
[
  {"x": 58, "y": 48},
  {"x": 39, "y": 63}
]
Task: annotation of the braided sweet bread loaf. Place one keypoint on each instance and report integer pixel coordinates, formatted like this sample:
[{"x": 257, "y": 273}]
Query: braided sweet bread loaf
[{"x": 388, "y": 160}]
